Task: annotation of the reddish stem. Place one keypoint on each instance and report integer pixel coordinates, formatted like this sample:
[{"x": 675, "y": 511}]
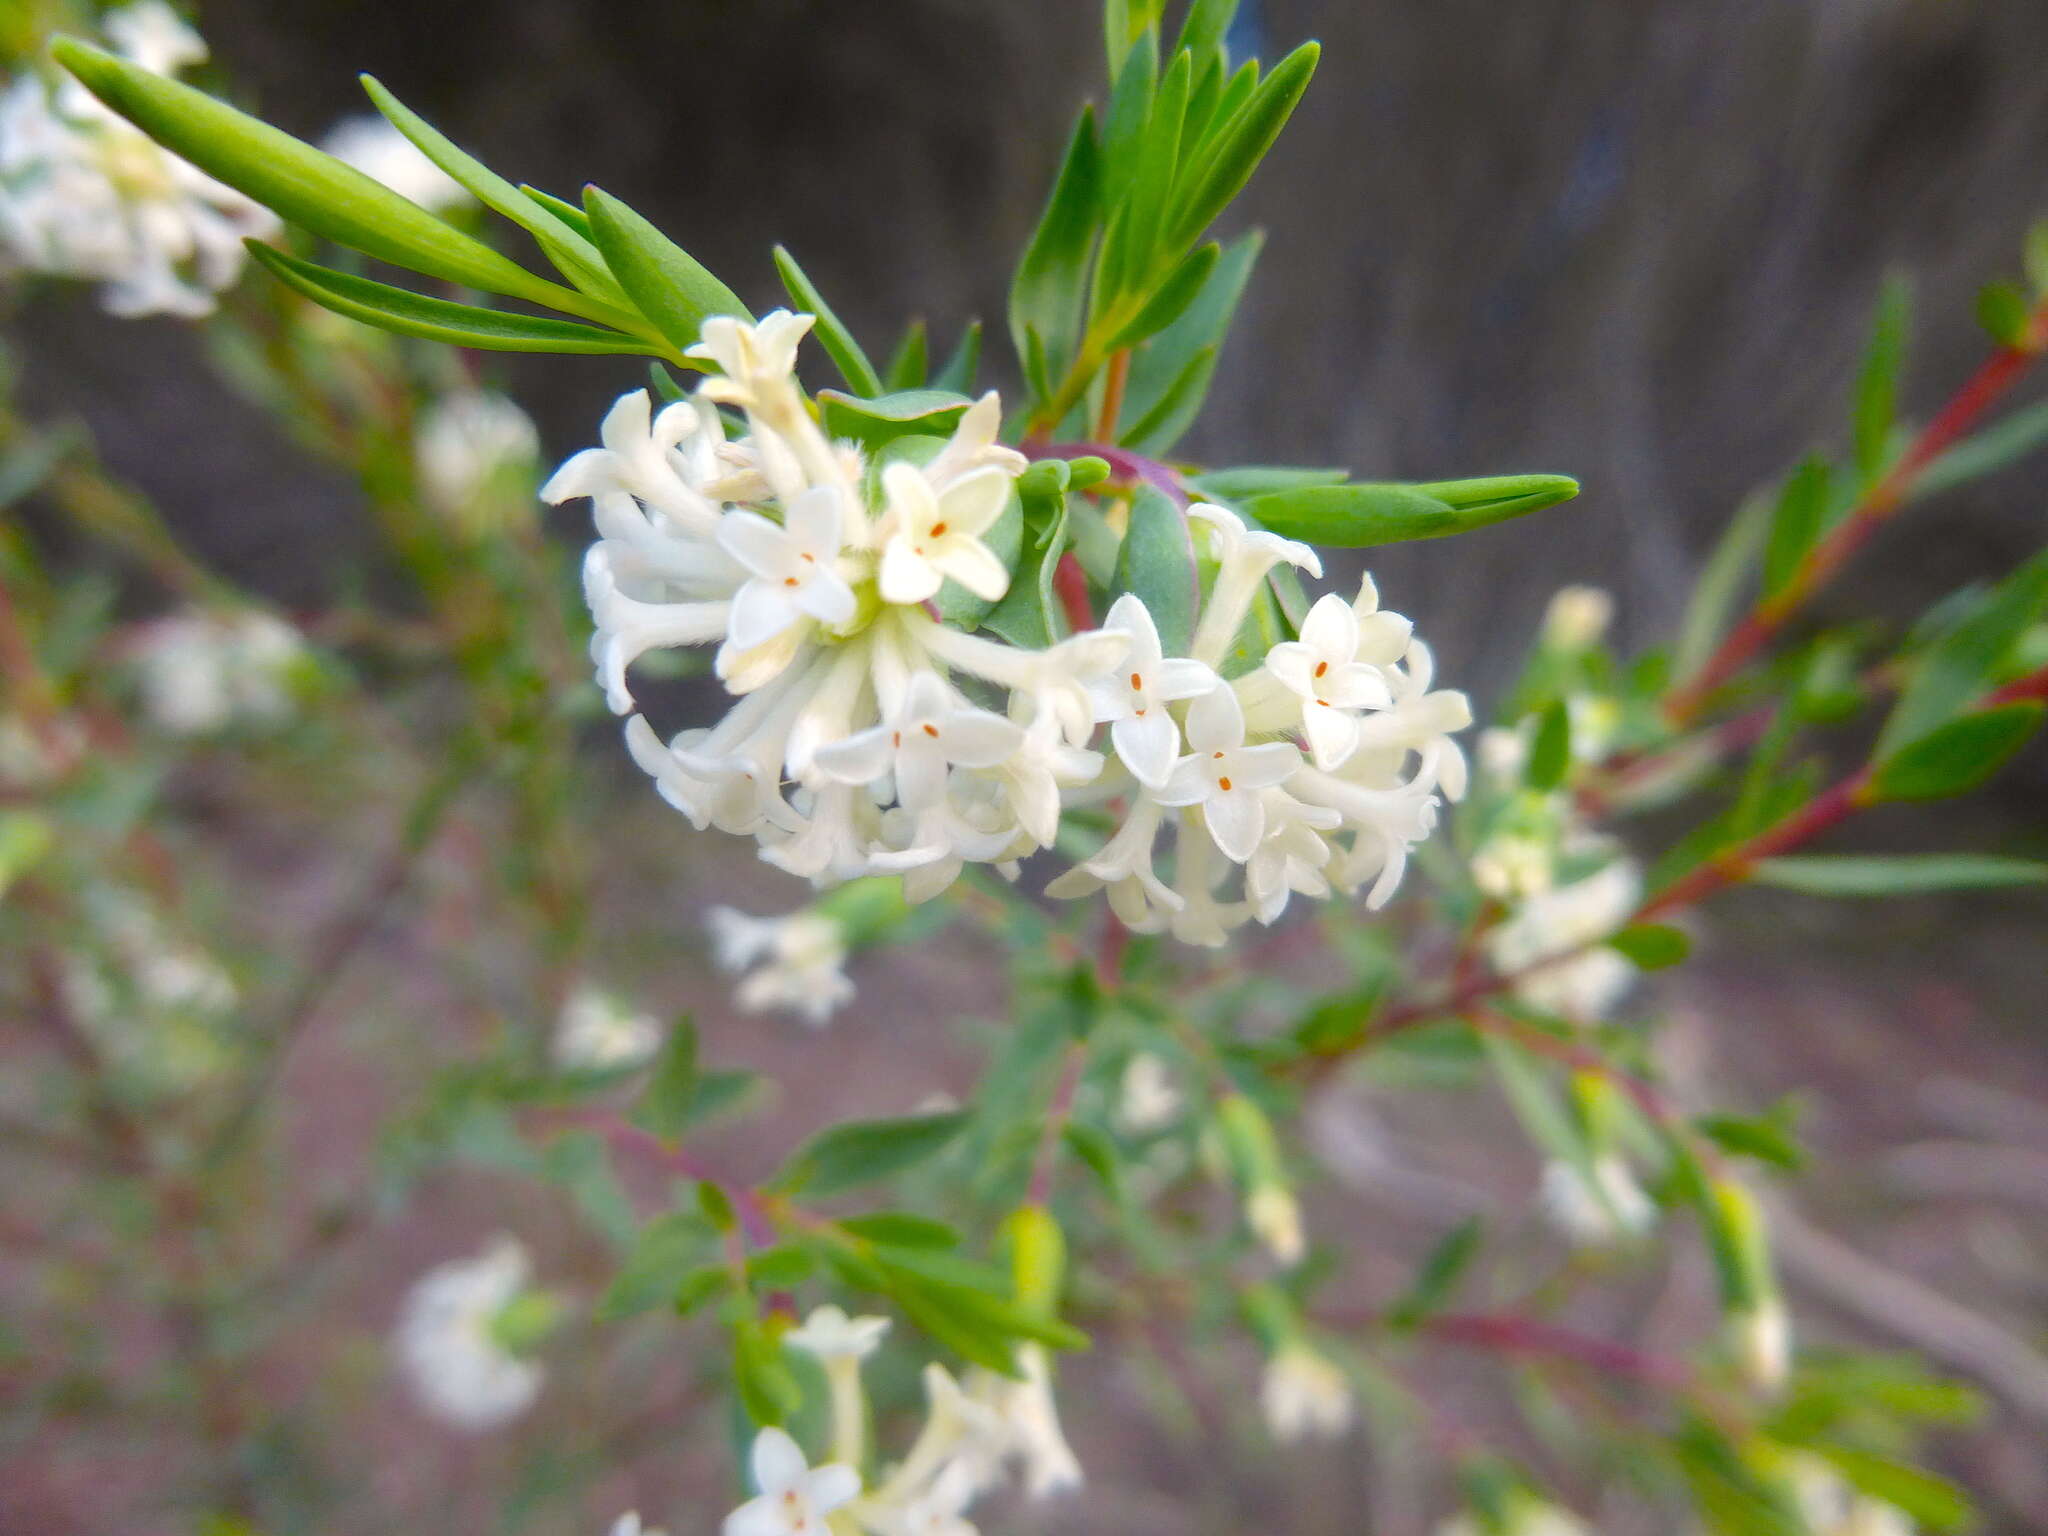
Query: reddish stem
[
  {"x": 1070, "y": 586},
  {"x": 1512, "y": 1335},
  {"x": 1983, "y": 390},
  {"x": 1113, "y": 392}
]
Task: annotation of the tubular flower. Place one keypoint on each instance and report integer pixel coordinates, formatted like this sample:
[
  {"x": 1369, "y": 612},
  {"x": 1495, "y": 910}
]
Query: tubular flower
[
  {"x": 869, "y": 735},
  {"x": 83, "y": 194}
]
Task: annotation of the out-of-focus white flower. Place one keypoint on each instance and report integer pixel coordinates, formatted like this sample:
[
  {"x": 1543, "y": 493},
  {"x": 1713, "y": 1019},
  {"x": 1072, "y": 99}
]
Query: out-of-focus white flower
[
  {"x": 599, "y": 1033},
  {"x": 1577, "y": 618},
  {"x": 476, "y": 452},
  {"x": 1761, "y": 1336},
  {"x": 1304, "y": 1396},
  {"x": 1031, "y": 1423},
  {"x": 1829, "y": 1506},
  {"x": 86, "y": 195},
  {"x": 448, "y": 1343},
  {"x": 629, "y": 1524},
  {"x": 939, "y": 1510},
  {"x": 1148, "y": 1099},
  {"x": 1503, "y": 754},
  {"x": 1274, "y": 1216},
  {"x": 830, "y": 1334},
  {"x": 796, "y": 962},
  {"x": 1609, "y": 1209},
  {"x": 200, "y": 672},
  {"x": 1525, "y": 1516},
  {"x": 371, "y": 144},
  {"x": 794, "y": 1498},
  {"x": 1587, "y": 979},
  {"x": 153, "y": 1003}
]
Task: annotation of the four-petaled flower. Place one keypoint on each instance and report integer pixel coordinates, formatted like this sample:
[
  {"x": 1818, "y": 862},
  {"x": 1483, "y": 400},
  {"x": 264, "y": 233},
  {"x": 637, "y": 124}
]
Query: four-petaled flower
[
  {"x": 1224, "y": 776},
  {"x": 794, "y": 568},
  {"x": 830, "y": 1334},
  {"x": 929, "y": 535},
  {"x": 1134, "y": 698},
  {"x": 1322, "y": 670},
  {"x": 933, "y": 730},
  {"x": 794, "y": 1499}
]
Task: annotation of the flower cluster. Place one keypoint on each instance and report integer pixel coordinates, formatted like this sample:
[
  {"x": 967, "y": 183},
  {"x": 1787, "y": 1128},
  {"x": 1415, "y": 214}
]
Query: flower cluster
[
  {"x": 870, "y": 736},
  {"x": 200, "y": 672},
  {"x": 452, "y": 1344},
  {"x": 84, "y": 194}
]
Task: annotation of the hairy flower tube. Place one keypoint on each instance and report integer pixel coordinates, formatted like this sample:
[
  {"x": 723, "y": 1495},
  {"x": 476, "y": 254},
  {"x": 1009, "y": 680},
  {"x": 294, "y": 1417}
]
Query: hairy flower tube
[
  {"x": 871, "y": 735},
  {"x": 84, "y": 194}
]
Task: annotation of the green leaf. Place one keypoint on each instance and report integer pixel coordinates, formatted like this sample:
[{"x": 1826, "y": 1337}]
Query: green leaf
[
  {"x": 1527, "y": 1087},
  {"x": 780, "y": 1267},
  {"x": 1932, "y": 1501},
  {"x": 1261, "y": 480},
  {"x": 303, "y": 185},
  {"x": 768, "y": 1389},
  {"x": 1551, "y": 756},
  {"x": 1173, "y": 298},
  {"x": 414, "y": 314},
  {"x": 663, "y": 1253},
  {"x": 1046, "y": 294},
  {"x": 719, "y": 1092},
  {"x": 939, "y": 1313},
  {"x": 1904, "y": 874},
  {"x": 671, "y": 1092},
  {"x": 901, "y": 1229},
  {"x": 1968, "y": 657},
  {"x": 909, "y": 363},
  {"x": 671, "y": 287},
  {"x": 959, "y": 372},
  {"x": 2037, "y": 256},
  {"x": 1029, "y": 613},
  {"x": 860, "y": 1151},
  {"x": 845, "y": 352},
  {"x": 569, "y": 213},
  {"x": 884, "y": 418},
  {"x": 1359, "y": 516},
  {"x": 1206, "y": 25},
  {"x": 1767, "y": 1138},
  {"x": 1157, "y": 563},
  {"x": 1652, "y": 946},
  {"x": 1439, "y": 1275},
  {"x": 1958, "y": 756},
  {"x": 1797, "y": 521},
  {"x": 568, "y": 246},
  {"x": 699, "y": 1286},
  {"x": 1240, "y": 144},
  {"x": 1877, "y": 383},
  {"x": 1713, "y": 599},
  {"x": 1993, "y": 449},
  {"x": 1097, "y": 1153},
  {"x": 2003, "y": 311},
  {"x": 1159, "y": 428},
  {"x": 1152, "y": 174}
]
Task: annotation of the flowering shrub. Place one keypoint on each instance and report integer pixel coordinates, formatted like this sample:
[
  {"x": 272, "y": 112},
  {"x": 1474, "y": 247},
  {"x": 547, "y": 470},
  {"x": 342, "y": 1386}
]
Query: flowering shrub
[{"x": 1003, "y": 663}]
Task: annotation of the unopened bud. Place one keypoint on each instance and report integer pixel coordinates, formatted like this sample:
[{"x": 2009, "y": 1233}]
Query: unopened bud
[{"x": 1577, "y": 618}]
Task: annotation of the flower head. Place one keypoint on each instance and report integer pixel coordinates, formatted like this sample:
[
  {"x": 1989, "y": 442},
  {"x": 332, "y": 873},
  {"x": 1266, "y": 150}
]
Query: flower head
[
  {"x": 201, "y": 672},
  {"x": 794, "y": 962},
  {"x": 793, "y": 1498},
  {"x": 830, "y": 1334},
  {"x": 450, "y": 1348},
  {"x": 1303, "y": 1396},
  {"x": 598, "y": 1033}
]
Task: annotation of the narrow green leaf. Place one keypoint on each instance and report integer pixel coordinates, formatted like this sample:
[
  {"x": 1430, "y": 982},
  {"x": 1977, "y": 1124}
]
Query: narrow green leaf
[
  {"x": 1904, "y": 874},
  {"x": 1877, "y": 383},
  {"x": 1047, "y": 292},
  {"x": 1720, "y": 584},
  {"x": 901, "y": 1229},
  {"x": 780, "y": 1267},
  {"x": 663, "y": 1253},
  {"x": 1157, "y": 563},
  {"x": 413, "y": 314},
  {"x": 1361, "y": 515},
  {"x": 1529, "y": 1092},
  {"x": 303, "y": 185},
  {"x": 569, "y": 213},
  {"x": 1437, "y": 1280},
  {"x": 1175, "y": 295},
  {"x": 2003, "y": 311},
  {"x": 1956, "y": 757},
  {"x": 1767, "y": 1138},
  {"x": 1993, "y": 449},
  {"x": 1799, "y": 518},
  {"x": 671, "y": 1092},
  {"x": 1926, "y": 1499},
  {"x": 1240, "y": 145},
  {"x": 1260, "y": 480},
  {"x": 1551, "y": 756},
  {"x": 1175, "y": 410},
  {"x": 1652, "y": 946},
  {"x": 909, "y": 363},
  {"x": 1968, "y": 657},
  {"x": 845, "y": 352},
  {"x": 1206, "y": 25},
  {"x": 858, "y": 1152},
  {"x": 672, "y": 288},
  {"x": 959, "y": 372},
  {"x": 1152, "y": 174},
  {"x": 884, "y": 418}
]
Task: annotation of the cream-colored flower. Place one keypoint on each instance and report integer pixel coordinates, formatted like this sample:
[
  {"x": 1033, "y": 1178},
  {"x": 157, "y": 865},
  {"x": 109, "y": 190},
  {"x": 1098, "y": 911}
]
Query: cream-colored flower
[
  {"x": 448, "y": 1346},
  {"x": 1303, "y": 1396}
]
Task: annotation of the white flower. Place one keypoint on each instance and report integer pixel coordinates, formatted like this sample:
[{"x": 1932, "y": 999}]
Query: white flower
[
  {"x": 1762, "y": 1339},
  {"x": 1322, "y": 669},
  {"x": 1148, "y": 1100},
  {"x": 1134, "y": 699},
  {"x": 1274, "y": 1216},
  {"x": 599, "y": 1033},
  {"x": 1552, "y": 949},
  {"x": 794, "y": 568},
  {"x": 1577, "y": 618},
  {"x": 1032, "y": 1423},
  {"x": 371, "y": 144},
  {"x": 1608, "y": 1209},
  {"x": 84, "y": 194},
  {"x": 793, "y": 1499},
  {"x": 795, "y": 962},
  {"x": 1303, "y": 1396},
  {"x": 447, "y": 1345},
  {"x": 932, "y": 730},
  {"x": 629, "y": 1524},
  {"x": 928, "y": 534},
  {"x": 830, "y": 1334},
  {"x": 940, "y": 1510},
  {"x": 1224, "y": 776},
  {"x": 476, "y": 452},
  {"x": 200, "y": 672},
  {"x": 1418, "y": 721},
  {"x": 1243, "y": 559}
]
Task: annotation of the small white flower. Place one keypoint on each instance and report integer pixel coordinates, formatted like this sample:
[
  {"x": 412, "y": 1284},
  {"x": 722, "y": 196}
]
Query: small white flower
[
  {"x": 794, "y": 568},
  {"x": 452, "y": 1359},
  {"x": 1418, "y": 721},
  {"x": 793, "y": 1498},
  {"x": 1303, "y": 1396},
  {"x": 1583, "y": 978},
  {"x": 475, "y": 449},
  {"x": 973, "y": 446},
  {"x": 830, "y": 1334},
  {"x": 599, "y": 1033},
  {"x": 629, "y": 1524},
  {"x": 1133, "y": 700},
  {"x": 796, "y": 962},
  {"x": 1609, "y": 1209},
  {"x": 1762, "y": 1339},
  {"x": 1274, "y": 1216},
  {"x": 929, "y": 534},
  {"x": 1323, "y": 671},
  {"x": 1224, "y": 776},
  {"x": 154, "y": 36},
  {"x": 1243, "y": 558},
  {"x": 370, "y": 143},
  {"x": 757, "y": 359},
  {"x": 201, "y": 672},
  {"x": 932, "y": 731},
  {"x": 1577, "y": 618},
  {"x": 1032, "y": 1422},
  {"x": 940, "y": 1510},
  {"x": 1148, "y": 1100}
]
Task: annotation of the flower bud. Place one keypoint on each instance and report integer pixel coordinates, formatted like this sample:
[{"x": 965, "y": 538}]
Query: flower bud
[
  {"x": 1577, "y": 618},
  {"x": 1038, "y": 1258}
]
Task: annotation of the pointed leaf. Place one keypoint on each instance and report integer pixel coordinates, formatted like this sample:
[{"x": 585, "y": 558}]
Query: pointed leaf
[
  {"x": 1157, "y": 564},
  {"x": 1358, "y": 516},
  {"x": 1904, "y": 874},
  {"x": 1957, "y": 756},
  {"x": 845, "y": 352},
  {"x": 671, "y": 287}
]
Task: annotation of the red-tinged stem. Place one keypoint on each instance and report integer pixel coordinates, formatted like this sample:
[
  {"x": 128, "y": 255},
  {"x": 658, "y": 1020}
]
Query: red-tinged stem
[
  {"x": 1058, "y": 1111},
  {"x": 1736, "y": 864},
  {"x": 1070, "y": 586},
  {"x": 1113, "y": 392},
  {"x": 2033, "y": 688},
  {"x": 1512, "y": 1335},
  {"x": 1982, "y": 391}
]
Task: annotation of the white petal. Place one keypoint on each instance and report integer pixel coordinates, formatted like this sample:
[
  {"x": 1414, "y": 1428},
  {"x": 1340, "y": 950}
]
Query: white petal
[
  {"x": 906, "y": 576},
  {"x": 763, "y": 548},
  {"x": 778, "y": 1463},
  {"x": 831, "y": 1486},
  {"x": 920, "y": 775},
  {"x": 1237, "y": 820},
  {"x": 1147, "y": 746},
  {"x": 1263, "y": 766},
  {"x": 1180, "y": 678},
  {"x": 1215, "y": 722},
  {"x": 761, "y": 610},
  {"x": 1356, "y": 686},
  {"x": 1294, "y": 664},
  {"x": 909, "y": 497},
  {"x": 973, "y": 502},
  {"x": 1332, "y": 733},
  {"x": 1331, "y": 629},
  {"x": 757, "y": 1517},
  {"x": 975, "y": 566},
  {"x": 975, "y": 738},
  {"x": 828, "y": 598},
  {"x": 859, "y": 759},
  {"x": 1187, "y": 784},
  {"x": 813, "y": 520},
  {"x": 1129, "y": 614}
]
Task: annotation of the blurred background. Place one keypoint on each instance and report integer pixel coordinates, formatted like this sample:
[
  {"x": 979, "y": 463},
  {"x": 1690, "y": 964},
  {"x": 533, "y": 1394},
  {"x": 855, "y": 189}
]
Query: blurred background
[{"x": 1636, "y": 241}]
